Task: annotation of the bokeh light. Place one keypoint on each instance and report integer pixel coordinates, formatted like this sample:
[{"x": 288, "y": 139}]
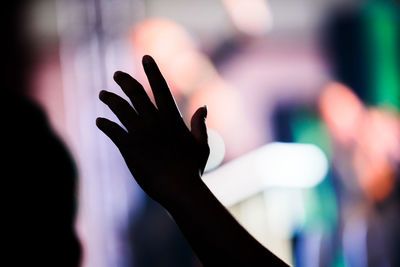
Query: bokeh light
[{"x": 303, "y": 120}]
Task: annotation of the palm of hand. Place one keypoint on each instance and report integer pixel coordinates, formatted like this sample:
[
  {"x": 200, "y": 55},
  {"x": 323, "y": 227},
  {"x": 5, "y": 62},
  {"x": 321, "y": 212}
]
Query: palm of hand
[{"x": 159, "y": 150}]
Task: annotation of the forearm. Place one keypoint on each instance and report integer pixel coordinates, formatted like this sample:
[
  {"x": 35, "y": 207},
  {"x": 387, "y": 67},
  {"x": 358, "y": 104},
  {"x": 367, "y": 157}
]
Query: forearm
[
  {"x": 158, "y": 147},
  {"x": 216, "y": 237}
]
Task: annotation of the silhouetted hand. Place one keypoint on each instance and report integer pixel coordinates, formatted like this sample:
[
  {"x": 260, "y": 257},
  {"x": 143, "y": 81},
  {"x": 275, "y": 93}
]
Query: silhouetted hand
[
  {"x": 164, "y": 156},
  {"x": 167, "y": 161}
]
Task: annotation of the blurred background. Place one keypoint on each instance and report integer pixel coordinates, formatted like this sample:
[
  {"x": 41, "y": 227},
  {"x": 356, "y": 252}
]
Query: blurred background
[{"x": 303, "y": 99}]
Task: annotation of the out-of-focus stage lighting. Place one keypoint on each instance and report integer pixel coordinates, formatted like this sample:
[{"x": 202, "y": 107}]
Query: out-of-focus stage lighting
[
  {"x": 252, "y": 17},
  {"x": 217, "y": 150},
  {"x": 273, "y": 165}
]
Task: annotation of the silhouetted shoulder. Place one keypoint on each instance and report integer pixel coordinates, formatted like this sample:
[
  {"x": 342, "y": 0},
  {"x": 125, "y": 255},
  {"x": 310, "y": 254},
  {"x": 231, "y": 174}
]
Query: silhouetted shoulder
[{"x": 40, "y": 186}]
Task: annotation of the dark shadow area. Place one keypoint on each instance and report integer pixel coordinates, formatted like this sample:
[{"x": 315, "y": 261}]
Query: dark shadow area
[
  {"x": 39, "y": 178},
  {"x": 157, "y": 240}
]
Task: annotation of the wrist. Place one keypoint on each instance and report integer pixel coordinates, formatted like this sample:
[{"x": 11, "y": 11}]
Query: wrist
[{"x": 184, "y": 194}]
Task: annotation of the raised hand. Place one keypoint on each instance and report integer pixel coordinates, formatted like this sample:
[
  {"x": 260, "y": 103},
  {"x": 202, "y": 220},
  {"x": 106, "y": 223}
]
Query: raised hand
[
  {"x": 167, "y": 161},
  {"x": 164, "y": 156}
]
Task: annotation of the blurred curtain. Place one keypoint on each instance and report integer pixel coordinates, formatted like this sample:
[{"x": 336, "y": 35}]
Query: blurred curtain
[{"x": 91, "y": 32}]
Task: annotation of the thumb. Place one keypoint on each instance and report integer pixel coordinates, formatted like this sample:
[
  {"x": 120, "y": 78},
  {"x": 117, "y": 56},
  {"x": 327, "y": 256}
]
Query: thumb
[{"x": 198, "y": 125}]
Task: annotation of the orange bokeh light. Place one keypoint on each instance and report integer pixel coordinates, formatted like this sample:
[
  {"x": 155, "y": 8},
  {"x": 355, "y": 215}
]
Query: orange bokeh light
[
  {"x": 371, "y": 135},
  {"x": 342, "y": 111}
]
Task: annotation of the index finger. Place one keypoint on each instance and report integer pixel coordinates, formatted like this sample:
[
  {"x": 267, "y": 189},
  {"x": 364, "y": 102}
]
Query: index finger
[
  {"x": 136, "y": 93},
  {"x": 162, "y": 95}
]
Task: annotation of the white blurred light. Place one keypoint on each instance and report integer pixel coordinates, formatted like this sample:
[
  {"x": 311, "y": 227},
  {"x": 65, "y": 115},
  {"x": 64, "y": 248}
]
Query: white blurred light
[
  {"x": 273, "y": 165},
  {"x": 291, "y": 165},
  {"x": 217, "y": 150},
  {"x": 252, "y": 17}
]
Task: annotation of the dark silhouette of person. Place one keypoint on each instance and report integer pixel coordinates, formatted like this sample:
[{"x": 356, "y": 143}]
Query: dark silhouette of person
[
  {"x": 167, "y": 161},
  {"x": 38, "y": 174}
]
